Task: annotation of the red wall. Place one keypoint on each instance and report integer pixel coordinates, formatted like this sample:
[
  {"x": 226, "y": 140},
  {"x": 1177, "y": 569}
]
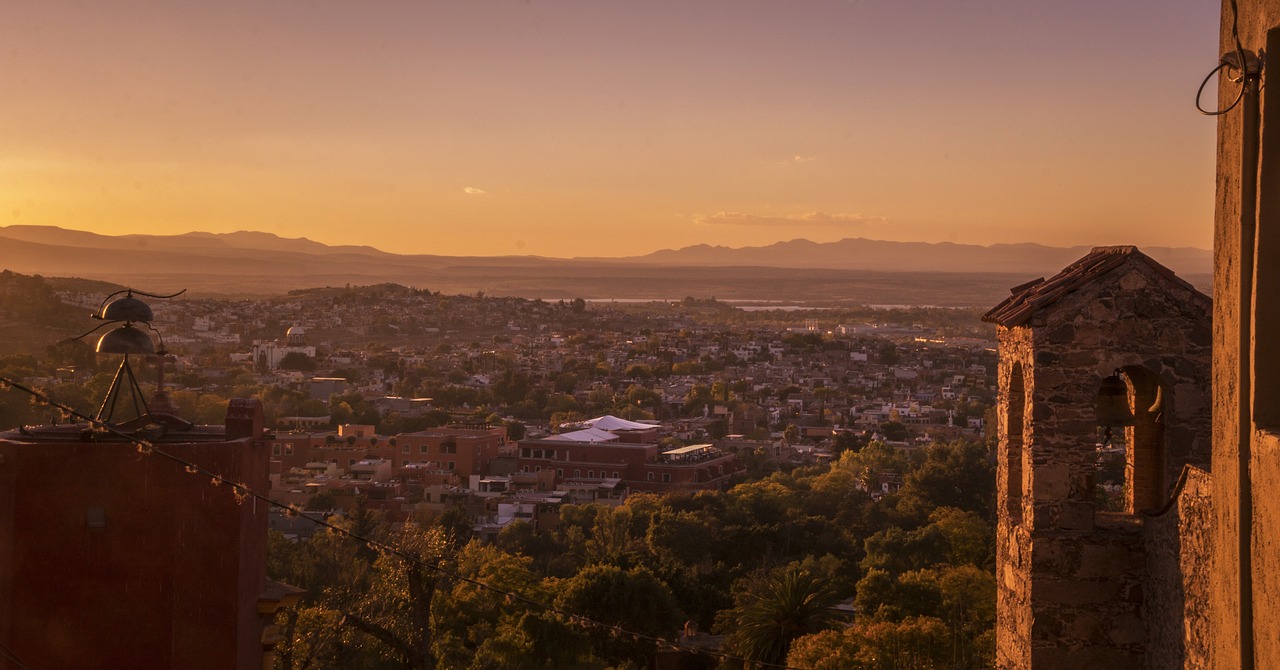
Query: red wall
[{"x": 171, "y": 580}]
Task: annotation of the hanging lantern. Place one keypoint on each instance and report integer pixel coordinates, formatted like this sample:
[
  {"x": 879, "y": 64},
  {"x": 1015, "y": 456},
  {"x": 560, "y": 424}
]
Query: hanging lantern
[{"x": 1112, "y": 404}]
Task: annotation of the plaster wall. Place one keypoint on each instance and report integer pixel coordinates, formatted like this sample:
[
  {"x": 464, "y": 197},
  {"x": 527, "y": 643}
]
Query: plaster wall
[{"x": 1245, "y": 573}]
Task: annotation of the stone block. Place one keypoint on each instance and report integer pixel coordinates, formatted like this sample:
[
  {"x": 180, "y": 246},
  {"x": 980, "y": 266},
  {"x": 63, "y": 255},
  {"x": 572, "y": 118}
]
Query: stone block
[
  {"x": 1073, "y": 592},
  {"x": 1051, "y": 482},
  {"x": 1127, "y": 629},
  {"x": 1102, "y": 561},
  {"x": 1075, "y": 515}
]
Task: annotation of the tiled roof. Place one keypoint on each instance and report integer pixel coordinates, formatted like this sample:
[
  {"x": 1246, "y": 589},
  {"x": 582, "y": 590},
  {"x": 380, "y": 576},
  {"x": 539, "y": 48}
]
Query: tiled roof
[{"x": 1026, "y": 299}]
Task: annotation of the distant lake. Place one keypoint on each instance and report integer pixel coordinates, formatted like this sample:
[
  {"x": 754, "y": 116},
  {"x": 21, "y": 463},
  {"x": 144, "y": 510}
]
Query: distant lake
[{"x": 744, "y": 305}]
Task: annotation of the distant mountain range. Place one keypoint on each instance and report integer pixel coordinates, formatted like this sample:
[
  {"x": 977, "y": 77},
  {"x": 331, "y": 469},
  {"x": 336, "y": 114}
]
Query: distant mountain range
[
  {"x": 884, "y": 256},
  {"x": 254, "y": 263}
]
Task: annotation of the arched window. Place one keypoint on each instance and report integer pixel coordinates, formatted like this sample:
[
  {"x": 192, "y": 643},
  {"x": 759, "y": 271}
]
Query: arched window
[
  {"x": 1012, "y": 453},
  {"x": 1145, "y": 452}
]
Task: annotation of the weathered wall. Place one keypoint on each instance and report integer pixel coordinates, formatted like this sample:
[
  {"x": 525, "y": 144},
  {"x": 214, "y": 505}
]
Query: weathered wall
[
  {"x": 1245, "y": 573},
  {"x": 1177, "y": 589},
  {"x": 1013, "y": 477},
  {"x": 1071, "y": 580},
  {"x": 170, "y": 578}
]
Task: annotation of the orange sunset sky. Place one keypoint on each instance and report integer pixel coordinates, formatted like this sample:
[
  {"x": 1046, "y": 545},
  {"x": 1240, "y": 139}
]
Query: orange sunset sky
[{"x": 608, "y": 128}]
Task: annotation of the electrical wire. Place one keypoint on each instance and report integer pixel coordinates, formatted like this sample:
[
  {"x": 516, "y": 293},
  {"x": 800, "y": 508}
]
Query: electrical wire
[
  {"x": 243, "y": 492},
  {"x": 1242, "y": 65},
  {"x": 9, "y": 656}
]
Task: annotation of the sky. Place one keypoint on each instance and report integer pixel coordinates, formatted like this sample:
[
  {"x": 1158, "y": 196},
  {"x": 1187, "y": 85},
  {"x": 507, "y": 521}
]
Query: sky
[{"x": 608, "y": 128}]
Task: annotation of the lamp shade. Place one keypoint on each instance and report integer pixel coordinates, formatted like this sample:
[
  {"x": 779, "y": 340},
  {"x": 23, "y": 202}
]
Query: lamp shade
[{"x": 126, "y": 340}]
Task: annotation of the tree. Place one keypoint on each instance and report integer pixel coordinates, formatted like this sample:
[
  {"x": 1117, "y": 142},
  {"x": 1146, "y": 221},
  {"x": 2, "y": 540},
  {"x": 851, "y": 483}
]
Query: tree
[
  {"x": 296, "y": 360},
  {"x": 921, "y": 643},
  {"x": 894, "y": 431},
  {"x": 960, "y": 474},
  {"x": 322, "y": 502},
  {"x": 515, "y": 430},
  {"x": 633, "y": 599},
  {"x": 772, "y": 612}
]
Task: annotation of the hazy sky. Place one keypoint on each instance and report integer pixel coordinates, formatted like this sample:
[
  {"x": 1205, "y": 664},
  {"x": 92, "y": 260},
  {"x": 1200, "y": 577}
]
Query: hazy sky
[{"x": 603, "y": 127}]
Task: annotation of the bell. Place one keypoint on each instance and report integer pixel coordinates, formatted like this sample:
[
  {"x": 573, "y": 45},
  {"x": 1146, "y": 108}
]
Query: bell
[
  {"x": 126, "y": 340},
  {"x": 1112, "y": 404}
]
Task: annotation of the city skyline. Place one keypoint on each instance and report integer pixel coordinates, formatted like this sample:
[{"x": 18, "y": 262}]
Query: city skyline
[{"x": 607, "y": 129}]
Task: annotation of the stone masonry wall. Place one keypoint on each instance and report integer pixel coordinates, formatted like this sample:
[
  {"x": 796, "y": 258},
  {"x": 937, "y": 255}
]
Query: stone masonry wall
[
  {"x": 1070, "y": 580},
  {"x": 1177, "y": 591}
]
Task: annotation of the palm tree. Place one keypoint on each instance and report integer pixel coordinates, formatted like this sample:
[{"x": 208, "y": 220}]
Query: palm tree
[{"x": 773, "y": 612}]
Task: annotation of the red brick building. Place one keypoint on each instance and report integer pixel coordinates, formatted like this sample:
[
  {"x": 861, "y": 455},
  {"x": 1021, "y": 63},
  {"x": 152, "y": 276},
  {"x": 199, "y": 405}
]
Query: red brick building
[{"x": 641, "y": 467}]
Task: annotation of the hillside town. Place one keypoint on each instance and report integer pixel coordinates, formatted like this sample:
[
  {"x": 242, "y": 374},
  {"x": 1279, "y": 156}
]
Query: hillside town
[{"x": 417, "y": 404}]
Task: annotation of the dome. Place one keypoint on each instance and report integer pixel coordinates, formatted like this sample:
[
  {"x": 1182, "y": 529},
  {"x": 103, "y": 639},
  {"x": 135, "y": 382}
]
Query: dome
[{"x": 295, "y": 330}]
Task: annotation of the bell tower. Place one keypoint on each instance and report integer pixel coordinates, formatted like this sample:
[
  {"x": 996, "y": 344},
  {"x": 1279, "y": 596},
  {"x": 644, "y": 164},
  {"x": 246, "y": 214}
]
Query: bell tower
[{"x": 1114, "y": 339}]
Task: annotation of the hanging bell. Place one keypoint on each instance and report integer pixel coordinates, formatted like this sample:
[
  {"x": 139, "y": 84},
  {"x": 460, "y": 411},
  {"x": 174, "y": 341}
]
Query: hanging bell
[{"x": 1112, "y": 404}]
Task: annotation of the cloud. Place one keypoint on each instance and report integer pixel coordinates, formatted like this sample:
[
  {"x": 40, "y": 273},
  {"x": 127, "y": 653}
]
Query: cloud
[
  {"x": 802, "y": 159},
  {"x": 806, "y": 219},
  {"x": 471, "y": 190}
]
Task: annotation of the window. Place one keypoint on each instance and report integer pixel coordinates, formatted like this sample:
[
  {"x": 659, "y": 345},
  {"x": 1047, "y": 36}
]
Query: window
[
  {"x": 649, "y": 477},
  {"x": 615, "y": 475},
  {"x": 666, "y": 477},
  {"x": 591, "y": 474},
  {"x": 537, "y": 468},
  {"x": 275, "y": 449},
  {"x": 422, "y": 448},
  {"x": 577, "y": 473},
  {"x": 288, "y": 450},
  {"x": 1145, "y": 448},
  {"x": 559, "y": 472},
  {"x": 404, "y": 449},
  {"x": 452, "y": 466},
  {"x": 1012, "y": 453}
]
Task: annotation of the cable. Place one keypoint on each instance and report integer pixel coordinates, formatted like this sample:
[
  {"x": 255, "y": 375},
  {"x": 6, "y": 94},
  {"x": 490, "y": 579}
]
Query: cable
[
  {"x": 242, "y": 492},
  {"x": 1242, "y": 65},
  {"x": 8, "y": 655}
]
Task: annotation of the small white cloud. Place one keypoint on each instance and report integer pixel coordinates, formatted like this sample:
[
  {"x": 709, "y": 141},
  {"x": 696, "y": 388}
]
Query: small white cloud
[
  {"x": 806, "y": 219},
  {"x": 803, "y": 159},
  {"x": 471, "y": 190}
]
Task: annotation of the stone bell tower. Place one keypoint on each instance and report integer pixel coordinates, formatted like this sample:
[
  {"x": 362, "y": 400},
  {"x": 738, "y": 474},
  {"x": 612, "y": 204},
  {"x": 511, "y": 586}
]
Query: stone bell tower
[{"x": 1071, "y": 574}]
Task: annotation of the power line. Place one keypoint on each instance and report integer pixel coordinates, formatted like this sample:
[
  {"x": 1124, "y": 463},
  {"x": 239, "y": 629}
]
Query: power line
[
  {"x": 8, "y": 655},
  {"x": 243, "y": 491}
]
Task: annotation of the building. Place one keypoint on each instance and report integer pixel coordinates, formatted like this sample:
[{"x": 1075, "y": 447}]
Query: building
[
  {"x": 1082, "y": 583},
  {"x": 112, "y": 559},
  {"x": 638, "y": 467},
  {"x": 1196, "y": 582},
  {"x": 267, "y": 355}
]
